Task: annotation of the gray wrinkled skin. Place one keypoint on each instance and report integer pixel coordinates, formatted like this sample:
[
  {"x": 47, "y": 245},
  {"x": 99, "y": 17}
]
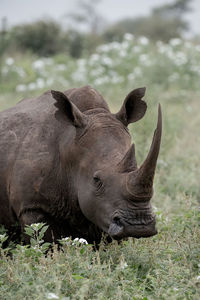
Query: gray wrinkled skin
[{"x": 67, "y": 161}]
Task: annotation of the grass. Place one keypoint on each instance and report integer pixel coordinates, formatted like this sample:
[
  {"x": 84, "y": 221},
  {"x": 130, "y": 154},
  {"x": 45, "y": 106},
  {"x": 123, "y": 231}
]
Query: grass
[{"x": 165, "y": 266}]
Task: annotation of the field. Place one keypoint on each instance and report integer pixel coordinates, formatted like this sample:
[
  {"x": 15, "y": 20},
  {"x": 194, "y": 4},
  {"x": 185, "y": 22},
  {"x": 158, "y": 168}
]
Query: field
[{"x": 167, "y": 265}]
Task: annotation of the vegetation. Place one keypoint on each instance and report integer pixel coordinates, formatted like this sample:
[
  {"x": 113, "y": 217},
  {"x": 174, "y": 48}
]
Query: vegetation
[
  {"x": 83, "y": 34},
  {"x": 163, "y": 267},
  {"x": 164, "y": 23}
]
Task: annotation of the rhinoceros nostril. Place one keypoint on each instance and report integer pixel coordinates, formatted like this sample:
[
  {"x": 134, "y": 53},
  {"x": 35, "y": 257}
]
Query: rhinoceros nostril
[{"x": 116, "y": 220}]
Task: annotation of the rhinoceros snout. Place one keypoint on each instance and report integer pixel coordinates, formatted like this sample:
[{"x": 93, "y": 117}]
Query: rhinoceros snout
[{"x": 143, "y": 227}]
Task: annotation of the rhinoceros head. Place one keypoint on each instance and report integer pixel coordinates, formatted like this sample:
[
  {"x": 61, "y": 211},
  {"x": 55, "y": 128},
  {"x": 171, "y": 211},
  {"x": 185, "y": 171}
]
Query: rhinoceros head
[{"x": 112, "y": 191}]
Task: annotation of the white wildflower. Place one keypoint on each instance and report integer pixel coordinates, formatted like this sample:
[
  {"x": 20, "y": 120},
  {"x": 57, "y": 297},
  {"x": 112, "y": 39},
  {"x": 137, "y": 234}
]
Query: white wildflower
[
  {"x": 106, "y": 61},
  {"x": 123, "y": 265},
  {"x": 35, "y": 226},
  {"x": 65, "y": 239},
  {"x": 155, "y": 209},
  {"x": 144, "y": 59},
  {"x": 175, "y": 42},
  {"x": 9, "y": 61},
  {"x": 52, "y": 296},
  {"x": 122, "y": 53},
  {"x": 83, "y": 241},
  {"x": 128, "y": 37},
  {"x": 2, "y": 236},
  {"x": 21, "y": 88},
  {"x": 115, "y": 46},
  {"x": 143, "y": 40},
  {"x": 125, "y": 45},
  {"x": 180, "y": 59},
  {"x": 79, "y": 241},
  {"x": 198, "y": 277},
  {"x": 40, "y": 83},
  {"x": 38, "y": 64},
  {"x": 32, "y": 86},
  {"x": 94, "y": 58}
]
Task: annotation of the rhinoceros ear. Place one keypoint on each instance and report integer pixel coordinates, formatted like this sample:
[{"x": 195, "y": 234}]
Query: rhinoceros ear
[
  {"x": 70, "y": 109},
  {"x": 133, "y": 108}
]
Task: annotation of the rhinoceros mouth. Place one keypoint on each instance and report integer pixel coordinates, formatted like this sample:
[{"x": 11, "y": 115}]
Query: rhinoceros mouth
[{"x": 141, "y": 224}]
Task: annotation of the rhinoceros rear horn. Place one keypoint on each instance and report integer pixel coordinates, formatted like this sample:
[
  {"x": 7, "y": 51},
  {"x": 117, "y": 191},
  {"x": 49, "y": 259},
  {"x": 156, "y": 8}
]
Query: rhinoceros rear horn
[
  {"x": 128, "y": 163},
  {"x": 133, "y": 108},
  {"x": 69, "y": 109},
  {"x": 141, "y": 181}
]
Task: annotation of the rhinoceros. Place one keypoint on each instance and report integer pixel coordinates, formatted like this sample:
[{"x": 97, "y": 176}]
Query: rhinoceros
[{"x": 67, "y": 161}]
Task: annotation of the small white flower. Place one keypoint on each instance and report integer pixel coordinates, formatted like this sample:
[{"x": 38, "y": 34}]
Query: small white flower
[
  {"x": 198, "y": 277},
  {"x": 83, "y": 241},
  {"x": 79, "y": 241},
  {"x": 21, "y": 88},
  {"x": 2, "y": 236},
  {"x": 52, "y": 296},
  {"x": 35, "y": 226},
  {"x": 65, "y": 239},
  {"x": 106, "y": 61},
  {"x": 143, "y": 40},
  {"x": 123, "y": 265},
  {"x": 38, "y": 64},
  {"x": 128, "y": 37},
  {"x": 9, "y": 61},
  {"x": 136, "y": 49},
  {"x": 75, "y": 241},
  {"x": 175, "y": 42},
  {"x": 155, "y": 208},
  {"x": 40, "y": 83},
  {"x": 32, "y": 86}
]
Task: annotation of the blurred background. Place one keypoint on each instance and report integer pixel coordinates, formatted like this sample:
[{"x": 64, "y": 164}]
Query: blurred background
[
  {"x": 46, "y": 44},
  {"x": 78, "y": 27}
]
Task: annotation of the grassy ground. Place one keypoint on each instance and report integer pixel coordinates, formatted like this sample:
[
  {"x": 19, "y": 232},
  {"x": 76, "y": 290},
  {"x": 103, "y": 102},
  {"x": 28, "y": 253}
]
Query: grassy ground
[{"x": 166, "y": 266}]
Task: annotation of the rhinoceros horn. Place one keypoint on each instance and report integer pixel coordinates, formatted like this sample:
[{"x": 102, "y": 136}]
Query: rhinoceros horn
[{"x": 140, "y": 181}]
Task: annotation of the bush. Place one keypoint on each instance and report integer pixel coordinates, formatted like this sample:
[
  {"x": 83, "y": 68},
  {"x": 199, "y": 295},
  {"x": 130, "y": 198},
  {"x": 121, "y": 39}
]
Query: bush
[{"x": 42, "y": 37}]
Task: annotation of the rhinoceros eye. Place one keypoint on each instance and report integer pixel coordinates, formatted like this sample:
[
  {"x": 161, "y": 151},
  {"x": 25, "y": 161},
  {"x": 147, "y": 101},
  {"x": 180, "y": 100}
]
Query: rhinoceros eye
[{"x": 97, "y": 181}]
